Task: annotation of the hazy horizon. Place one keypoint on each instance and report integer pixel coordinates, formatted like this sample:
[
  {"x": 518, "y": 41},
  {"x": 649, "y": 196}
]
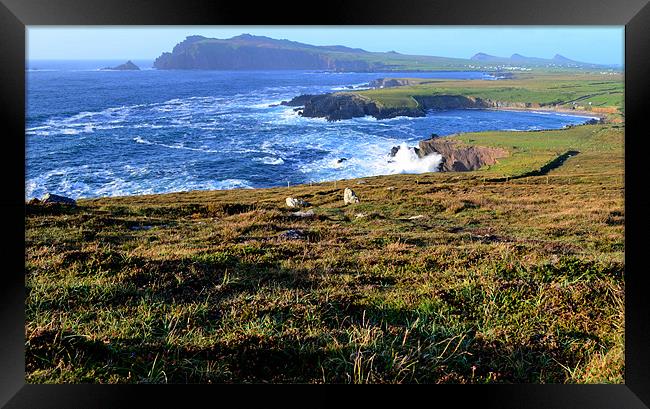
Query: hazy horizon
[{"x": 147, "y": 43}]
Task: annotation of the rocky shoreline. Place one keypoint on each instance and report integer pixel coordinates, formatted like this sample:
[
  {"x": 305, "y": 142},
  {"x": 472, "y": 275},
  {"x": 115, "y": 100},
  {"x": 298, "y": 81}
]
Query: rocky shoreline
[
  {"x": 456, "y": 157},
  {"x": 338, "y": 106},
  {"x": 345, "y": 105}
]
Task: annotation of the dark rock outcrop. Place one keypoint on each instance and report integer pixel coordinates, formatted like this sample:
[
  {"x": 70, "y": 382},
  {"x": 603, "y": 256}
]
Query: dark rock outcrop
[
  {"x": 294, "y": 234},
  {"x": 298, "y": 101},
  {"x": 127, "y": 66},
  {"x": 339, "y": 106},
  {"x": 344, "y": 105},
  {"x": 51, "y": 198}
]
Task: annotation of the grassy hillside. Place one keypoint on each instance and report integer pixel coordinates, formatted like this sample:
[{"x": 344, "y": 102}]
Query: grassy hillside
[
  {"x": 530, "y": 151},
  {"x": 603, "y": 91},
  {"x": 442, "y": 277}
]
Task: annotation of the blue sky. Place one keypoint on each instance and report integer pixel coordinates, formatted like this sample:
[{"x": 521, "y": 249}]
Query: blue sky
[{"x": 596, "y": 44}]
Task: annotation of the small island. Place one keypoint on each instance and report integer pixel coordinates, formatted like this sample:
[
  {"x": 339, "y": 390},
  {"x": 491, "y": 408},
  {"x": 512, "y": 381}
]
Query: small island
[{"x": 127, "y": 66}]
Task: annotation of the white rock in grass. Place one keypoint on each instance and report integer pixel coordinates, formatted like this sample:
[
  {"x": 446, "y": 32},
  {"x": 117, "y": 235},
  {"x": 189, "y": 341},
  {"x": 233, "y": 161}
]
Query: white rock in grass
[
  {"x": 349, "y": 197},
  {"x": 308, "y": 213},
  {"x": 291, "y": 202}
]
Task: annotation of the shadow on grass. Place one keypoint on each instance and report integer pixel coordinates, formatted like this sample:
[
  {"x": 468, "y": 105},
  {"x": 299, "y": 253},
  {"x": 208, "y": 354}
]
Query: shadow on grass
[
  {"x": 544, "y": 170},
  {"x": 424, "y": 355}
]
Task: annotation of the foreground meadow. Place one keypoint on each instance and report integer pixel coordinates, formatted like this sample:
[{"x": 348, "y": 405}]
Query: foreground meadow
[{"x": 512, "y": 273}]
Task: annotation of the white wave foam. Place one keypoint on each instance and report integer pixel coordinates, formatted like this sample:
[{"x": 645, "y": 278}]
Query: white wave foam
[
  {"x": 268, "y": 160},
  {"x": 266, "y": 104},
  {"x": 407, "y": 161},
  {"x": 148, "y": 126},
  {"x": 142, "y": 140},
  {"x": 288, "y": 116},
  {"x": 357, "y": 87},
  {"x": 69, "y": 131},
  {"x": 175, "y": 146}
]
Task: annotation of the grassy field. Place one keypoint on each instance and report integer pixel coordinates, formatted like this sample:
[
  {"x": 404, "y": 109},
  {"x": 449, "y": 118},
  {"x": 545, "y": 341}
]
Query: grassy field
[
  {"x": 440, "y": 277},
  {"x": 603, "y": 91}
]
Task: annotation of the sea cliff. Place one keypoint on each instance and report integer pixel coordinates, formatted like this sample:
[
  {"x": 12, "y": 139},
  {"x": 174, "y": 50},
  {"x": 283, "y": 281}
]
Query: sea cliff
[{"x": 458, "y": 157}]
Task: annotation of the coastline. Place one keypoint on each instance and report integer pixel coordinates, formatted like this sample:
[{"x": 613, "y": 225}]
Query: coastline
[{"x": 576, "y": 112}]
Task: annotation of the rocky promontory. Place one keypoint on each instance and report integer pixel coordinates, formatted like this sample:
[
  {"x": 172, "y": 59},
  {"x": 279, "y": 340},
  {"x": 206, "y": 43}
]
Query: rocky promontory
[
  {"x": 347, "y": 105},
  {"x": 458, "y": 157}
]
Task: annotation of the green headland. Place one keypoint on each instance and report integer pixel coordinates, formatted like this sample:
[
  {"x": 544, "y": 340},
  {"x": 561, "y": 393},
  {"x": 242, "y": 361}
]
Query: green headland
[{"x": 511, "y": 273}]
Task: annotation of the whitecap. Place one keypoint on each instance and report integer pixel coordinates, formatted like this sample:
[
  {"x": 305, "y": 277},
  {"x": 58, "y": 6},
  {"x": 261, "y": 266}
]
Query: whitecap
[
  {"x": 142, "y": 140},
  {"x": 407, "y": 161},
  {"x": 268, "y": 160},
  {"x": 229, "y": 184}
]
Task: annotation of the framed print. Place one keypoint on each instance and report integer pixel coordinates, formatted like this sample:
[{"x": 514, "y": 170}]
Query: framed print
[{"x": 208, "y": 193}]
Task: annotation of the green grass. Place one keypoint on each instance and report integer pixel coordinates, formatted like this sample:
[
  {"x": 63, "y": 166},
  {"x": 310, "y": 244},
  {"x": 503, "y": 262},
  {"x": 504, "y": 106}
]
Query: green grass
[
  {"x": 538, "y": 89},
  {"x": 530, "y": 151},
  {"x": 517, "y": 281}
]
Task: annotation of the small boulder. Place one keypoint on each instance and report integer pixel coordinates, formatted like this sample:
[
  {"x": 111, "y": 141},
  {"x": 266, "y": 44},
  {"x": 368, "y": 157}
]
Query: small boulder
[
  {"x": 293, "y": 234},
  {"x": 307, "y": 214},
  {"x": 292, "y": 202},
  {"x": 50, "y": 198},
  {"x": 349, "y": 197},
  {"x": 391, "y": 188},
  {"x": 142, "y": 227}
]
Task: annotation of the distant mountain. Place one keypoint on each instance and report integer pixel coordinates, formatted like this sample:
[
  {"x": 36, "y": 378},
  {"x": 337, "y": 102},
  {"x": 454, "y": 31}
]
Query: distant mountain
[
  {"x": 518, "y": 59},
  {"x": 485, "y": 57},
  {"x": 248, "y": 52},
  {"x": 561, "y": 58}
]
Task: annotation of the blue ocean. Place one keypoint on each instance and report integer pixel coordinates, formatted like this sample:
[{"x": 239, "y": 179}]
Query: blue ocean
[{"x": 92, "y": 133}]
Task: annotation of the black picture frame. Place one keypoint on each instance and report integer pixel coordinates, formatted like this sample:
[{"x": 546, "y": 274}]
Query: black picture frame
[{"x": 15, "y": 15}]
